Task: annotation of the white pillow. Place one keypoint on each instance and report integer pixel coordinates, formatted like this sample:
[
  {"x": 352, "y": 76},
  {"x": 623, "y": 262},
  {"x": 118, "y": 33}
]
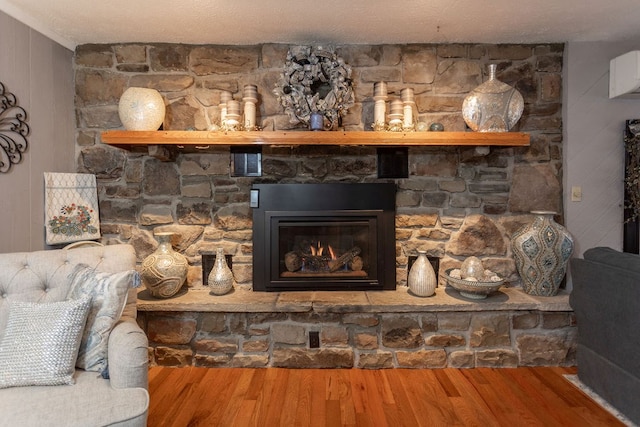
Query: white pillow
[
  {"x": 41, "y": 342},
  {"x": 108, "y": 293}
]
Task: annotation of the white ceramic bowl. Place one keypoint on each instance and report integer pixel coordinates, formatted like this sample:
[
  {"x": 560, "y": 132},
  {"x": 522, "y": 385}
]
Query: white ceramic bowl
[{"x": 470, "y": 289}]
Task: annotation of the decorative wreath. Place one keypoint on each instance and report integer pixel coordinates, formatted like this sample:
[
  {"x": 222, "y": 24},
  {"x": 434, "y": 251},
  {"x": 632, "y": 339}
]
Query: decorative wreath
[{"x": 314, "y": 80}]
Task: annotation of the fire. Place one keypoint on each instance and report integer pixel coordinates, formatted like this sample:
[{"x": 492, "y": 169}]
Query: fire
[
  {"x": 332, "y": 252},
  {"x": 318, "y": 250}
]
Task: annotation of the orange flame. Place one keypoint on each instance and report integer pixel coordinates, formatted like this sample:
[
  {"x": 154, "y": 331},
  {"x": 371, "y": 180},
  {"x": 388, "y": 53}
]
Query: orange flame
[
  {"x": 318, "y": 250},
  {"x": 332, "y": 252}
]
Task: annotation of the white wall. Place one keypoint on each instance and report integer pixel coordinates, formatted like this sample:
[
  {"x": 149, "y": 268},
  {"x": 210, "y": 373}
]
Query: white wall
[
  {"x": 594, "y": 148},
  {"x": 39, "y": 72}
]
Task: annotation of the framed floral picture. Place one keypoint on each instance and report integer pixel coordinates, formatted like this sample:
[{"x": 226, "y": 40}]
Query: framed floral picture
[{"x": 71, "y": 208}]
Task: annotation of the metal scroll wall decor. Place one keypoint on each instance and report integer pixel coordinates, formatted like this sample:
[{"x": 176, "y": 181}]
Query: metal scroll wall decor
[
  {"x": 13, "y": 130},
  {"x": 631, "y": 237}
]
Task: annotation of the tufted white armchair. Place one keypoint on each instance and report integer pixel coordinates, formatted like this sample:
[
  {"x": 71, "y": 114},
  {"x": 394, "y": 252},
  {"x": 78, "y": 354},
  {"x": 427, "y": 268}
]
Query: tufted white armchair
[{"x": 122, "y": 400}]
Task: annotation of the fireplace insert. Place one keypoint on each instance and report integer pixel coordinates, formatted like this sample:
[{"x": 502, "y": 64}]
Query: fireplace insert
[{"x": 323, "y": 236}]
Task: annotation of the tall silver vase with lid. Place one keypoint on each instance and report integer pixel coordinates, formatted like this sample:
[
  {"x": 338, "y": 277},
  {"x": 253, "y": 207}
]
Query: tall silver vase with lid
[
  {"x": 542, "y": 250},
  {"x": 494, "y": 106}
]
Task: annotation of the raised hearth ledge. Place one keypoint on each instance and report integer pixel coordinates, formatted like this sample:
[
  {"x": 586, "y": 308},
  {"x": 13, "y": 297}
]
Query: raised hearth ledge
[{"x": 399, "y": 301}]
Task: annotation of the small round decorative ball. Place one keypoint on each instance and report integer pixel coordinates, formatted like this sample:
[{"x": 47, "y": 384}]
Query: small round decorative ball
[
  {"x": 472, "y": 268},
  {"x": 436, "y": 127},
  {"x": 422, "y": 127}
]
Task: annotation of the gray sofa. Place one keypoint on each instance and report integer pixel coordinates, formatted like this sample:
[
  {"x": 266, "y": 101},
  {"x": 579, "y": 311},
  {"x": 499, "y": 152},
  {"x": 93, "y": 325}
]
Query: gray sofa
[
  {"x": 606, "y": 301},
  {"x": 122, "y": 400}
]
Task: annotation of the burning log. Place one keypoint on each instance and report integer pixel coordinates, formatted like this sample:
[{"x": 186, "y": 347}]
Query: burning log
[
  {"x": 315, "y": 263},
  {"x": 335, "y": 264},
  {"x": 296, "y": 260},
  {"x": 356, "y": 264},
  {"x": 292, "y": 261}
]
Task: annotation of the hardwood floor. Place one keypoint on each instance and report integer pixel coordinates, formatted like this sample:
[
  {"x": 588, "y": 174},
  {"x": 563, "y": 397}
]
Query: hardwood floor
[{"x": 354, "y": 397}]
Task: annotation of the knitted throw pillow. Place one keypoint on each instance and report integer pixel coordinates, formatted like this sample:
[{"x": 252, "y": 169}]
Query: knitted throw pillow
[{"x": 41, "y": 342}]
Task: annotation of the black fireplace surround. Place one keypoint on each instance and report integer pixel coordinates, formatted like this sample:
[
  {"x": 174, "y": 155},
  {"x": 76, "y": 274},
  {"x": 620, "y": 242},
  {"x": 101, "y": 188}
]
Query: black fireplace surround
[{"x": 330, "y": 237}]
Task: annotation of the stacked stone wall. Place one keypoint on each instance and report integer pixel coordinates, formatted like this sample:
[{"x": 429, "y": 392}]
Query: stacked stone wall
[
  {"x": 455, "y": 203},
  {"x": 509, "y": 338}
]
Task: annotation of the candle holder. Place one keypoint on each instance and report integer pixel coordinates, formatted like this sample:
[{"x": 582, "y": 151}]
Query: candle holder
[
  {"x": 232, "y": 120},
  {"x": 379, "y": 112},
  {"x": 316, "y": 121},
  {"x": 250, "y": 99},
  {"x": 225, "y": 96},
  {"x": 236, "y": 115},
  {"x": 408, "y": 107},
  {"x": 396, "y": 116}
]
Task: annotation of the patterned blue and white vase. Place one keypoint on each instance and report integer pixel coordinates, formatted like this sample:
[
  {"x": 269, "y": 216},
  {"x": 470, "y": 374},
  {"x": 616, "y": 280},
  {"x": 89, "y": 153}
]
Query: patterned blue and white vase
[{"x": 541, "y": 251}]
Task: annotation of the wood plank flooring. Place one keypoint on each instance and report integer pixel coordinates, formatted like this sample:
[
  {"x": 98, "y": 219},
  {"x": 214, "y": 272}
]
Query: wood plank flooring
[{"x": 483, "y": 397}]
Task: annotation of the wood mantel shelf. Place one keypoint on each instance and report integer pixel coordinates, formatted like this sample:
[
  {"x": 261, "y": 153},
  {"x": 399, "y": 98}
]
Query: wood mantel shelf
[{"x": 204, "y": 139}]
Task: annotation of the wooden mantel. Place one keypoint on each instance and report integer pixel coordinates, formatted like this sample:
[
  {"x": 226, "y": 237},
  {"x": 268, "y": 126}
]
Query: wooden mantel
[{"x": 203, "y": 139}]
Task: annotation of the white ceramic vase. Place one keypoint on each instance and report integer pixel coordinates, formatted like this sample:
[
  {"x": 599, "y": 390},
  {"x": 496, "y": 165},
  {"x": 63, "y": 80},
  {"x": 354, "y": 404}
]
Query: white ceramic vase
[
  {"x": 422, "y": 278},
  {"x": 141, "y": 109},
  {"x": 164, "y": 271}
]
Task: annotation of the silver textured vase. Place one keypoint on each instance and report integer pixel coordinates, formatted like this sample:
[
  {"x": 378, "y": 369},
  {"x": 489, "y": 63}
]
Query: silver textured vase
[
  {"x": 542, "y": 250},
  {"x": 422, "y": 278},
  {"x": 493, "y": 106},
  {"x": 165, "y": 270},
  {"x": 220, "y": 278}
]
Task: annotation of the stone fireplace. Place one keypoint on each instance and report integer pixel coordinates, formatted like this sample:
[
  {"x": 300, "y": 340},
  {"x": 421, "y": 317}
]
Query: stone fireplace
[
  {"x": 323, "y": 236},
  {"x": 455, "y": 202}
]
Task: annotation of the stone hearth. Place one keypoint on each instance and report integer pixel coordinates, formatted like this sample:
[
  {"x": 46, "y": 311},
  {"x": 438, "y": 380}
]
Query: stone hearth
[{"x": 373, "y": 329}]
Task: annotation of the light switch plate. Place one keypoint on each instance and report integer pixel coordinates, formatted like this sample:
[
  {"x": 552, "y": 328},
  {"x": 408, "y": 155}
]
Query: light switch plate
[
  {"x": 254, "y": 198},
  {"x": 576, "y": 194}
]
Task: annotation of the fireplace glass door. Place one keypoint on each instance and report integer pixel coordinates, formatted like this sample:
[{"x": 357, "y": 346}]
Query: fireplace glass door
[{"x": 336, "y": 250}]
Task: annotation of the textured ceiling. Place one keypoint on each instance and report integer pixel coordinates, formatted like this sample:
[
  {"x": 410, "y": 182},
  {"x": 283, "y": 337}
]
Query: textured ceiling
[{"x": 73, "y": 22}]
